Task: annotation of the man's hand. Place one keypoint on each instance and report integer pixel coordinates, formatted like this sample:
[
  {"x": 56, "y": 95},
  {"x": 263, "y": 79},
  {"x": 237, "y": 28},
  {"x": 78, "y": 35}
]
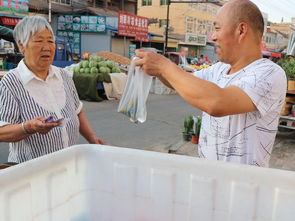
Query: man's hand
[
  {"x": 38, "y": 125},
  {"x": 152, "y": 63}
]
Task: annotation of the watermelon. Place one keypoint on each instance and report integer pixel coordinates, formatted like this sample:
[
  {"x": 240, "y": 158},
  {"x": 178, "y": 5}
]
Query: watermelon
[
  {"x": 85, "y": 64},
  {"x": 110, "y": 64},
  {"x": 77, "y": 69},
  {"x": 87, "y": 70},
  {"x": 108, "y": 70},
  {"x": 102, "y": 64},
  {"x": 92, "y": 64},
  {"x": 101, "y": 58},
  {"x": 103, "y": 69},
  {"x": 93, "y": 70},
  {"x": 115, "y": 70}
]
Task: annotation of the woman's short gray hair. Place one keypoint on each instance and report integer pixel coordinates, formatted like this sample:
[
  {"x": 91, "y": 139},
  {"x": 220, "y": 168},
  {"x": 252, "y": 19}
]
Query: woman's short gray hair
[{"x": 29, "y": 26}]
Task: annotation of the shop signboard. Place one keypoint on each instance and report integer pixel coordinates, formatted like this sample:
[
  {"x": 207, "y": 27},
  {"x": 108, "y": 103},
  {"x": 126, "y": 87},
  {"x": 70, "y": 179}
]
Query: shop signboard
[
  {"x": 133, "y": 26},
  {"x": 194, "y": 39},
  {"x": 71, "y": 26},
  {"x": 14, "y": 7},
  {"x": 81, "y": 23},
  {"x": 9, "y": 20},
  {"x": 73, "y": 39}
]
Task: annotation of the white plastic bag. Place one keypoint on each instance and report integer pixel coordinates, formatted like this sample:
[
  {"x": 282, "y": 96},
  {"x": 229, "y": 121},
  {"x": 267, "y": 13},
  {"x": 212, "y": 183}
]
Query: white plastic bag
[{"x": 133, "y": 100}]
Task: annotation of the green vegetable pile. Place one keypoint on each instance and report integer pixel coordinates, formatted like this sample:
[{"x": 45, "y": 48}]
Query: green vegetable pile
[
  {"x": 289, "y": 67},
  {"x": 97, "y": 65}
]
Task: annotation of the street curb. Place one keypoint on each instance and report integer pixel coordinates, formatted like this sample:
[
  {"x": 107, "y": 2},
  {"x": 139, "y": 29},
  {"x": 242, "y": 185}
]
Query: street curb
[{"x": 174, "y": 147}]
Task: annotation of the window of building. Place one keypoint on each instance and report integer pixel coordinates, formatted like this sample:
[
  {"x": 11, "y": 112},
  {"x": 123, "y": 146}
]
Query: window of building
[
  {"x": 190, "y": 25},
  {"x": 163, "y": 2},
  {"x": 66, "y": 2},
  {"x": 146, "y": 2},
  {"x": 162, "y": 22}
]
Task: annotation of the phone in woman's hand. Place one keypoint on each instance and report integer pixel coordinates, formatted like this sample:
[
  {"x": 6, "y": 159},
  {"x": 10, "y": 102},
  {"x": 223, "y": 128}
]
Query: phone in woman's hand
[{"x": 50, "y": 119}]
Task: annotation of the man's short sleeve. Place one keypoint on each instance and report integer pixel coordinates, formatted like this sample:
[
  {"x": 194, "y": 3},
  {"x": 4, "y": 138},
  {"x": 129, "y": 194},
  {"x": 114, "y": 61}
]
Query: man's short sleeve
[
  {"x": 9, "y": 107},
  {"x": 203, "y": 74},
  {"x": 209, "y": 73},
  {"x": 265, "y": 87}
]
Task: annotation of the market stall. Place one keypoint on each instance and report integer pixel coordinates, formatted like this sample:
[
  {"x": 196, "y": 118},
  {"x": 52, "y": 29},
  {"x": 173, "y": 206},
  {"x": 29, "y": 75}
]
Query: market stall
[{"x": 94, "y": 76}]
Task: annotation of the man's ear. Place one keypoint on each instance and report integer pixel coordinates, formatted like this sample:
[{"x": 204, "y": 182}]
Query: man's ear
[
  {"x": 21, "y": 47},
  {"x": 242, "y": 30}
]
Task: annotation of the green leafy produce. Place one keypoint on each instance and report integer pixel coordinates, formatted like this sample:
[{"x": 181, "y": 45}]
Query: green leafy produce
[
  {"x": 110, "y": 64},
  {"x": 197, "y": 128},
  {"x": 289, "y": 67},
  {"x": 115, "y": 70},
  {"x": 188, "y": 124},
  {"x": 93, "y": 70},
  {"x": 81, "y": 70},
  {"x": 87, "y": 70}
]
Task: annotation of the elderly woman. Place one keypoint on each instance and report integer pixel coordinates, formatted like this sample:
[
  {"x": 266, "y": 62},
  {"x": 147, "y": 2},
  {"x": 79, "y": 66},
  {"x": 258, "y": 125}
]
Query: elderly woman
[{"x": 35, "y": 90}]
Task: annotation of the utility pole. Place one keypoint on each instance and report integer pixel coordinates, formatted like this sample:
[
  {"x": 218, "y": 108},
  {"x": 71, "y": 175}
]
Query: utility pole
[
  {"x": 167, "y": 18},
  {"x": 49, "y": 11},
  {"x": 167, "y": 25}
]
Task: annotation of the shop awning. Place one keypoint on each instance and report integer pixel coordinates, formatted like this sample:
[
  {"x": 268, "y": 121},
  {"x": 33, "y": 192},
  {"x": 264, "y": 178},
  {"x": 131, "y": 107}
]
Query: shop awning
[
  {"x": 6, "y": 34},
  {"x": 172, "y": 43}
]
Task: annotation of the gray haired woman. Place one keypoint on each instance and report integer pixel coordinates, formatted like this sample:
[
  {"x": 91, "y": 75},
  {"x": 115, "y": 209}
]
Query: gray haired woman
[{"x": 36, "y": 90}]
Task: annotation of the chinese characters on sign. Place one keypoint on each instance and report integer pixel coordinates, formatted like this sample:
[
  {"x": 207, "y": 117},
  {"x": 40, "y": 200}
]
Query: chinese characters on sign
[
  {"x": 82, "y": 23},
  {"x": 73, "y": 39},
  {"x": 195, "y": 39},
  {"x": 10, "y": 21},
  {"x": 15, "y": 7},
  {"x": 133, "y": 26}
]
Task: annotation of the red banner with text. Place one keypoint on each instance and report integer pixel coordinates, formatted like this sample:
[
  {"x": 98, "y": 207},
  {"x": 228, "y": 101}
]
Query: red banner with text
[
  {"x": 133, "y": 26},
  {"x": 10, "y": 21}
]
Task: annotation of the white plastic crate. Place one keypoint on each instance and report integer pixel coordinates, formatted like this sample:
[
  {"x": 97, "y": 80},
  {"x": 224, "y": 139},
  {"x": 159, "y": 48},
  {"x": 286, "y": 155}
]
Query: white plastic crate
[{"x": 91, "y": 182}]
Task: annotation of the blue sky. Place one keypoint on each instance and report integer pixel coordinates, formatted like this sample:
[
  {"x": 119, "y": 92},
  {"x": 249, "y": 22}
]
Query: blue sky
[{"x": 276, "y": 9}]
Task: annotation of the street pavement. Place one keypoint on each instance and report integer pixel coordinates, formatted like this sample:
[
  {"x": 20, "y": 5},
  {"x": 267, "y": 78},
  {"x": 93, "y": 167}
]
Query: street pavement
[
  {"x": 282, "y": 157},
  {"x": 162, "y": 130}
]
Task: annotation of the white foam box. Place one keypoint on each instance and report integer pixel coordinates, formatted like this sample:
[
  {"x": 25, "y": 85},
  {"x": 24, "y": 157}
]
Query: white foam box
[{"x": 93, "y": 182}]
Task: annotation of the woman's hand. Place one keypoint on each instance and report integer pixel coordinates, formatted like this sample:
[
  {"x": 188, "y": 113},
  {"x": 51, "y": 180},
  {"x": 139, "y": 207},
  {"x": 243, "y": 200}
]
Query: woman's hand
[
  {"x": 38, "y": 125},
  {"x": 95, "y": 140}
]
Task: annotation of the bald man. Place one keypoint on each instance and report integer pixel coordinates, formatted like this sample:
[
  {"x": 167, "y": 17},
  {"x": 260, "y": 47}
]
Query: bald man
[{"x": 241, "y": 96}]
